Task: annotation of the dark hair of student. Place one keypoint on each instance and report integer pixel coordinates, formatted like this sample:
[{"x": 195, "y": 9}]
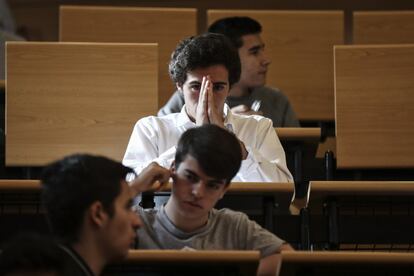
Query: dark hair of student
[
  {"x": 201, "y": 52},
  {"x": 72, "y": 184},
  {"x": 217, "y": 151},
  {"x": 236, "y": 27}
]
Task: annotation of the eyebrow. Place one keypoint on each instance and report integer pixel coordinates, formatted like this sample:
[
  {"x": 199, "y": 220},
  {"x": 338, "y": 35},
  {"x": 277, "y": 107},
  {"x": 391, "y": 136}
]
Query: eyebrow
[{"x": 257, "y": 47}]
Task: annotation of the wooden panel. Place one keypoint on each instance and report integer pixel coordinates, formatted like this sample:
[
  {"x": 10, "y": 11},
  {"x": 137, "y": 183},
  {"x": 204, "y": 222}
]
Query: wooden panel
[
  {"x": 383, "y": 27},
  {"x": 64, "y": 98},
  {"x": 332, "y": 258},
  {"x": 299, "y": 133},
  {"x": 300, "y": 45},
  {"x": 374, "y": 106},
  {"x": 165, "y": 26}
]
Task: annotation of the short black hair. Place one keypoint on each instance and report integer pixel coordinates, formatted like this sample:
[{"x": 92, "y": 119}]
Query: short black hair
[
  {"x": 201, "y": 52},
  {"x": 216, "y": 150},
  {"x": 28, "y": 253},
  {"x": 72, "y": 184},
  {"x": 236, "y": 27}
]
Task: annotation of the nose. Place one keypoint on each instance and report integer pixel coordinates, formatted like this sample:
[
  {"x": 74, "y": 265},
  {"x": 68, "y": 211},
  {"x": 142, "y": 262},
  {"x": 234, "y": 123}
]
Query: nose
[
  {"x": 198, "y": 190},
  {"x": 136, "y": 221},
  {"x": 266, "y": 60}
]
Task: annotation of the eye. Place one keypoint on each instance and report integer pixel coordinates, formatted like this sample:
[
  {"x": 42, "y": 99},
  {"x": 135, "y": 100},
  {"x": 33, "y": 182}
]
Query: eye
[
  {"x": 191, "y": 177},
  {"x": 195, "y": 87},
  {"x": 213, "y": 185},
  {"x": 218, "y": 87}
]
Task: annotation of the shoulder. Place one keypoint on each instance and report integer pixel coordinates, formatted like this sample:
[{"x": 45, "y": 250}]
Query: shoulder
[
  {"x": 251, "y": 121},
  {"x": 153, "y": 121},
  {"x": 272, "y": 93}
]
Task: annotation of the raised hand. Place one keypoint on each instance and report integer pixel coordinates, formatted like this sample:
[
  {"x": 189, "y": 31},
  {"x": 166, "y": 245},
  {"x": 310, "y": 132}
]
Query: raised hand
[{"x": 153, "y": 177}]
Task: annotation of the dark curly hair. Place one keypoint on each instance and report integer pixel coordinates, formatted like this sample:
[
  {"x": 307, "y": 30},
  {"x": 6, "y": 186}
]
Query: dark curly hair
[
  {"x": 201, "y": 52},
  {"x": 236, "y": 27}
]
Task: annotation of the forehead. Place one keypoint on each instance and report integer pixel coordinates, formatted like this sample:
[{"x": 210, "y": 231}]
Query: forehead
[
  {"x": 216, "y": 73},
  {"x": 251, "y": 40},
  {"x": 125, "y": 192},
  {"x": 191, "y": 164}
]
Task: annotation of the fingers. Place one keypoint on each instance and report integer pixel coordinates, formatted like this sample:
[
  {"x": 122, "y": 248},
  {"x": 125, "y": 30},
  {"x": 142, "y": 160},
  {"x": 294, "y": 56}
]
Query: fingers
[
  {"x": 202, "y": 107},
  {"x": 153, "y": 177}
]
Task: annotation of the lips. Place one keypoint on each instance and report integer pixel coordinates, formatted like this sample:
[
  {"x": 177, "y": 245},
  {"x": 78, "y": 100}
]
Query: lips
[{"x": 193, "y": 204}]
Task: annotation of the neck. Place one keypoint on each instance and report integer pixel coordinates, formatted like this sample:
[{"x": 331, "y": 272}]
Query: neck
[
  {"x": 239, "y": 90},
  {"x": 91, "y": 254},
  {"x": 181, "y": 221}
]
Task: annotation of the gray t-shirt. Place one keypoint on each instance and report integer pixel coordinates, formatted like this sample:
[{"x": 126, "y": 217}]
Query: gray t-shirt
[
  {"x": 274, "y": 105},
  {"x": 225, "y": 230}
]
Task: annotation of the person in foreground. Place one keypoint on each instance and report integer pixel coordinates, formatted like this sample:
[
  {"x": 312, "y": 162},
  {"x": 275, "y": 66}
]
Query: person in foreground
[
  {"x": 88, "y": 203},
  {"x": 204, "y": 68},
  {"x": 206, "y": 160},
  {"x": 249, "y": 95}
]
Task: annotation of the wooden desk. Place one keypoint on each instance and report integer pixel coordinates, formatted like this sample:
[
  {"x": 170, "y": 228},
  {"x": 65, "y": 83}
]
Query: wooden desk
[
  {"x": 346, "y": 263},
  {"x": 178, "y": 262},
  {"x": 2, "y": 84},
  {"x": 374, "y": 128},
  {"x": 312, "y": 134},
  {"x": 300, "y": 145},
  {"x": 358, "y": 214},
  {"x": 64, "y": 98},
  {"x": 165, "y": 26}
]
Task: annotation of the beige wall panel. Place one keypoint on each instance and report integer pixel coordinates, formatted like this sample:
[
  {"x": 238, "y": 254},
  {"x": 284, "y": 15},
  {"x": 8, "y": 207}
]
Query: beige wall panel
[
  {"x": 165, "y": 26},
  {"x": 300, "y": 45},
  {"x": 64, "y": 98},
  {"x": 383, "y": 27},
  {"x": 374, "y": 88}
]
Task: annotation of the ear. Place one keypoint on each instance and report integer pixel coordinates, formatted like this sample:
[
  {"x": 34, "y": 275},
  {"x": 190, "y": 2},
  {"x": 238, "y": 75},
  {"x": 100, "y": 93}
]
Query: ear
[
  {"x": 172, "y": 167},
  {"x": 224, "y": 190},
  {"x": 179, "y": 87},
  {"x": 97, "y": 215}
]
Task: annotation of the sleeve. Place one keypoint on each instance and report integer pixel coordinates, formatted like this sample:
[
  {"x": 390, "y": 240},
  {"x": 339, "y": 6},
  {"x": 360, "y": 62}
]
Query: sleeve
[
  {"x": 174, "y": 104},
  {"x": 254, "y": 237},
  {"x": 142, "y": 147},
  {"x": 266, "y": 160}
]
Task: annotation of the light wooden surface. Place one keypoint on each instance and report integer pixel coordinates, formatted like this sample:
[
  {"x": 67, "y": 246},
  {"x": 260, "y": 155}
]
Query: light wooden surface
[
  {"x": 299, "y": 44},
  {"x": 329, "y": 257},
  {"x": 235, "y": 187},
  {"x": 251, "y": 187},
  {"x": 246, "y": 262},
  {"x": 216, "y": 256},
  {"x": 299, "y": 133},
  {"x": 65, "y": 98},
  {"x": 374, "y": 106},
  {"x": 361, "y": 187},
  {"x": 383, "y": 27},
  {"x": 165, "y": 26}
]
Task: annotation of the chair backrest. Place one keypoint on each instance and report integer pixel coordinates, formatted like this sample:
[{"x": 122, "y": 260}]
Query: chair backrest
[
  {"x": 300, "y": 46},
  {"x": 64, "y": 98},
  {"x": 383, "y": 27},
  {"x": 165, "y": 26},
  {"x": 374, "y": 106}
]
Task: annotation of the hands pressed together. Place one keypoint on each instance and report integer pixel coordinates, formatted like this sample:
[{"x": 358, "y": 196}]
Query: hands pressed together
[{"x": 207, "y": 112}]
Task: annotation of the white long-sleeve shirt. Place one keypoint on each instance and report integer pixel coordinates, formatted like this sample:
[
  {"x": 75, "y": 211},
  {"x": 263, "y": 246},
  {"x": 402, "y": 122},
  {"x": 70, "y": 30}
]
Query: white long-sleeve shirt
[{"x": 155, "y": 139}]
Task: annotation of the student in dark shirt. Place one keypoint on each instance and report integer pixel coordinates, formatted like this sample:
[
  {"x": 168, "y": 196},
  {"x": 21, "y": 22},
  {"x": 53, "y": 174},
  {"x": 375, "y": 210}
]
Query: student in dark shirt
[{"x": 88, "y": 201}]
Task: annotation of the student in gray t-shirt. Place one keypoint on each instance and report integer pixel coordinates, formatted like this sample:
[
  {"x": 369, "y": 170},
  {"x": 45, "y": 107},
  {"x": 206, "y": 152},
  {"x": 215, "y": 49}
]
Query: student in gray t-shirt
[{"x": 206, "y": 160}]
